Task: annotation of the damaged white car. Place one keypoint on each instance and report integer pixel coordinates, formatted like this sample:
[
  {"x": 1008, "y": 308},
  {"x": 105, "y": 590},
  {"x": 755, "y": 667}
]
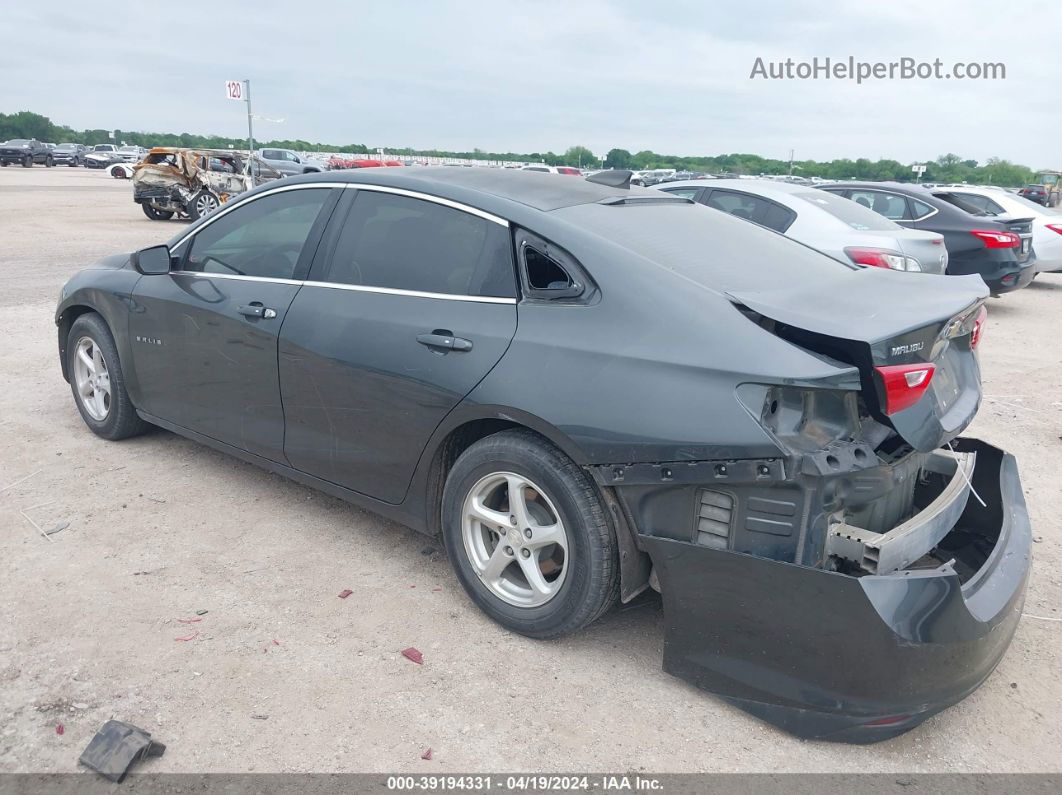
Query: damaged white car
[{"x": 191, "y": 183}]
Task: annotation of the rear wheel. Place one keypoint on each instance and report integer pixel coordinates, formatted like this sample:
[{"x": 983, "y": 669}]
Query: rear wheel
[
  {"x": 155, "y": 214},
  {"x": 528, "y": 536},
  {"x": 202, "y": 204},
  {"x": 97, "y": 381}
]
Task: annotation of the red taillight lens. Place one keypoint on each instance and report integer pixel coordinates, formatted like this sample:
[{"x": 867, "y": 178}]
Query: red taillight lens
[
  {"x": 996, "y": 239},
  {"x": 979, "y": 327},
  {"x": 889, "y": 721},
  {"x": 875, "y": 257},
  {"x": 904, "y": 384},
  {"x": 1055, "y": 228}
]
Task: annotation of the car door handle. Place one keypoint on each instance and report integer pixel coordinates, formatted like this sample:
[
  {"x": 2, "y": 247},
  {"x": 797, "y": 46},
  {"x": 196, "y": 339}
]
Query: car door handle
[
  {"x": 443, "y": 340},
  {"x": 255, "y": 309}
]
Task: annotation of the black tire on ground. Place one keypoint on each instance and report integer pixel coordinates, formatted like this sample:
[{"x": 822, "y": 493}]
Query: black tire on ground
[
  {"x": 155, "y": 214},
  {"x": 49, "y": 161},
  {"x": 591, "y": 584},
  {"x": 121, "y": 420},
  {"x": 204, "y": 196},
  {"x": 27, "y": 161},
  {"x": 3, "y": 163}
]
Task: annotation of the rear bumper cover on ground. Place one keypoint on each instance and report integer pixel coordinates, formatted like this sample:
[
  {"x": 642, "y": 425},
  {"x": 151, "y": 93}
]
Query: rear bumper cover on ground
[{"x": 856, "y": 659}]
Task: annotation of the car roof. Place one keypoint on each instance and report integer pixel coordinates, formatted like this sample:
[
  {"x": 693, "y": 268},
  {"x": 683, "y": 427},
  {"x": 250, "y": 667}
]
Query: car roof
[
  {"x": 535, "y": 189},
  {"x": 905, "y": 188}
]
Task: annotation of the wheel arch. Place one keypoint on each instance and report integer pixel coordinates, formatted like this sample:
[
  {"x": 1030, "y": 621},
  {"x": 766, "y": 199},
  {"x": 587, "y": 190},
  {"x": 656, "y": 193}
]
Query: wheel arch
[
  {"x": 456, "y": 436},
  {"x": 64, "y": 323}
]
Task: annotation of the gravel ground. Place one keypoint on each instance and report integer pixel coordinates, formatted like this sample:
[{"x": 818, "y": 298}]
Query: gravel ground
[{"x": 281, "y": 675}]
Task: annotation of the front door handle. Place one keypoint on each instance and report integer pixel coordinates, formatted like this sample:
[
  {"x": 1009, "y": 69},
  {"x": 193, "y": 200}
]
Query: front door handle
[
  {"x": 255, "y": 309},
  {"x": 442, "y": 340}
]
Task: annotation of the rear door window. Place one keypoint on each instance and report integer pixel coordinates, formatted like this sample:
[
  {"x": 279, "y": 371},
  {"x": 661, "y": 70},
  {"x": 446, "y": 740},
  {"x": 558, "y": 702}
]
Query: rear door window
[
  {"x": 752, "y": 208},
  {"x": 854, "y": 214},
  {"x": 892, "y": 205},
  {"x": 403, "y": 243}
]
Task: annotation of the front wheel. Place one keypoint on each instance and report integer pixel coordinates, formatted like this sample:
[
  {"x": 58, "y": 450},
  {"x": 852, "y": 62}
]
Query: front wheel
[
  {"x": 202, "y": 204},
  {"x": 155, "y": 214},
  {"x": 27, "y": 161},
  {"x": 528, "y": 536},
  {"x": 97, "y": 381},
  {"x": 49, "y": 161}
]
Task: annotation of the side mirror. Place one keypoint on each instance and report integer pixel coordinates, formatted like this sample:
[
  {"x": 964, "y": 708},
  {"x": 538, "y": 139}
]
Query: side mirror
[{"x": 152, "y": 261}]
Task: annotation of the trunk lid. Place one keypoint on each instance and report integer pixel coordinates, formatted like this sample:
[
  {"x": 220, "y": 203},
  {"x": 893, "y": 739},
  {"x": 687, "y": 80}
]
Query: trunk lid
[
  {"x": 1023, "y": 228},
  {"x": 884, "y": 320}
]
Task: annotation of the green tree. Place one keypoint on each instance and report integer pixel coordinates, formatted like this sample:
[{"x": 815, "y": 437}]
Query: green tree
[{"x": 618, "y": 158}]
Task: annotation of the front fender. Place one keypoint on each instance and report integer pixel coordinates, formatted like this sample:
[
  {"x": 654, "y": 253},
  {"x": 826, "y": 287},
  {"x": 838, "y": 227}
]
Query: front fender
[{"x": 108, "y": 292}]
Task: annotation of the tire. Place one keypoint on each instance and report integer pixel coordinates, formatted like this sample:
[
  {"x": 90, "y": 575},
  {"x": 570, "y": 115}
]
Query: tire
[
  {"x": 155, "y": 214},
  {"x": 117, "y": 172},
  {"x": 27, "y": 161},
  {"x": 119, "y": 419},
  {"x": 556, "y": 492},
  {"x": 202, "y": 205},
  {"x": 49, "y": 161}
]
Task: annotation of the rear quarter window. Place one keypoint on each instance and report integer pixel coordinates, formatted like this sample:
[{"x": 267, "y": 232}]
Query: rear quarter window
[{"x": 852, "y": 214}]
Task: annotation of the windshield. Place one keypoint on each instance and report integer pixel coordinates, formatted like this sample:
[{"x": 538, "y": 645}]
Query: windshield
[
  {"x": 18, "y": 141},
  {"x": 129, "y": 149},
  {"x": 849, "y": 212},
  {"x": 65, "y": 147}
]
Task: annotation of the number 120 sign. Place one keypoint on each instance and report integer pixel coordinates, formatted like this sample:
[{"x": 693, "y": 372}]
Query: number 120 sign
[{"x": 234, "y": 89}]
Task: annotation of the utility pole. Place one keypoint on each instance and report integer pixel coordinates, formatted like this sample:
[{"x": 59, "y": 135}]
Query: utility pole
[
  {"x": 250, "y": 129},
  {"x": 790, "y": 151}
]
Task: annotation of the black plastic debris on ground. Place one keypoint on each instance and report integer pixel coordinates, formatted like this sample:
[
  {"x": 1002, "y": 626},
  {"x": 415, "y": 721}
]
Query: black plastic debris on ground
[{"x": 116, "y": 746}]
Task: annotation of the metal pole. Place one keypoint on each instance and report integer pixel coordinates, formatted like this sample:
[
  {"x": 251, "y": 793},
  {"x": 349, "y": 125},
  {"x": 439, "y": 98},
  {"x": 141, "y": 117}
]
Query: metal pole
[{"x": 250, "y": 129}]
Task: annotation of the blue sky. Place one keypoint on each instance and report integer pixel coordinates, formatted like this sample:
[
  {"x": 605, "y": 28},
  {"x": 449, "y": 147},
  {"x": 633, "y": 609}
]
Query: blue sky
[{"x": 668, "y": 76}]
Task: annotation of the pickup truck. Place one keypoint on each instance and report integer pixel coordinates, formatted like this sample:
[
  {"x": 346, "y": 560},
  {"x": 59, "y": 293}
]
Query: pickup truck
[
  {"x": 287, "y": 162},
  {"x": 26, "y": 152}
]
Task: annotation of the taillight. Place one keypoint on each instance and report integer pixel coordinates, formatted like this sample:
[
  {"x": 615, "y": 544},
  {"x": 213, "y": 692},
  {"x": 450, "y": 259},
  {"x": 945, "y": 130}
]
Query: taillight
[
  {"x": 904, "y": 384},
  {"x": 1055, "y": 228},
  {"x": 882, "y": 258},
  {"x": 996, "y": 239},
  {"x": 979, "y": 327}
]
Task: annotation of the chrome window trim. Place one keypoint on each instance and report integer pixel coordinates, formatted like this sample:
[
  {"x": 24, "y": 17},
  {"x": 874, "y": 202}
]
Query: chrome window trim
[
  {"x": 236, "y": 277},
  {"x": 412, "y": 194},
  {"x": 221, "y": 212},
  {"x": 358, "y": 288}
]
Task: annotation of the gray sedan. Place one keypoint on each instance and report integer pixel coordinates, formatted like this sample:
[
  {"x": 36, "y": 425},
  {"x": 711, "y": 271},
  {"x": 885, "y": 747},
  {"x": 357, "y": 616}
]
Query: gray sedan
[{"x": 843, "y": 229}]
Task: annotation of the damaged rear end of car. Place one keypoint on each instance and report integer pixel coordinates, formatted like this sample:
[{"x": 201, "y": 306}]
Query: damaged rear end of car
[
  {"x": 875, "y": 573},
  {"x": 865, "y": 569}
]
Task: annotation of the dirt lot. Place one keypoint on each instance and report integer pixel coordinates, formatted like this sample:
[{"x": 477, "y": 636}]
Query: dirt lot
[{"x": 280, "y": 675}]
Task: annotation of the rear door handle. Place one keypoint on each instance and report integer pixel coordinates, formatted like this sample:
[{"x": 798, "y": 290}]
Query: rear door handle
[
  {"x": 255, "y": 309},
  {"x": 442, "y": 340}
]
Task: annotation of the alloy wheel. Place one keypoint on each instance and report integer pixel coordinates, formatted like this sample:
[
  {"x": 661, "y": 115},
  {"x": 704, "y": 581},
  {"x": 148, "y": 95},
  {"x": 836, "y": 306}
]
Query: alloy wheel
[
  {"x": 92, "y": 378},
  {"x": 515, "y": 539}
]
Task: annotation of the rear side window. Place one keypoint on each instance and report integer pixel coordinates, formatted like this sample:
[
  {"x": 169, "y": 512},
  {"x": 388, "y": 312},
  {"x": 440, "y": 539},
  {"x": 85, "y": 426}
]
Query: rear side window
[
  {"x": 402, "y": 243},
  {"x": 966, "y": 201},
  {"x": 920, "y": 210},
  {"x": 685, "y": 193},
  {"x": 263, "y": 237},
  {"x": 752, "y": 208},
  {"x": 854, "y": 214},
  {"x": 891, "y": 205}
]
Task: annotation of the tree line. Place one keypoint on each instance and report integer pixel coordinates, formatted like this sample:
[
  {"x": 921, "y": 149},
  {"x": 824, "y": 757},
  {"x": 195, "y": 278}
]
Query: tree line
[{"x": 945, "y": 168}]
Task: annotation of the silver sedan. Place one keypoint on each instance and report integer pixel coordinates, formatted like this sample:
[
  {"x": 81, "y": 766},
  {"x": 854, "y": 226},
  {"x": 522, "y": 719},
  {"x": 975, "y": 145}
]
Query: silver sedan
[{"x": 832, "y": 224}]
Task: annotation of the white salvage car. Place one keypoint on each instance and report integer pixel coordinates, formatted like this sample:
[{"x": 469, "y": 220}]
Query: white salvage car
[{"x": 122, "y": 170}]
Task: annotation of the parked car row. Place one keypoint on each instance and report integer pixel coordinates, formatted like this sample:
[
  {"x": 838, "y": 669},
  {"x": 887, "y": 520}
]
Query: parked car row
[
  {"x": 959, "y": 231},
  {"x": 589, "y": 389}
]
